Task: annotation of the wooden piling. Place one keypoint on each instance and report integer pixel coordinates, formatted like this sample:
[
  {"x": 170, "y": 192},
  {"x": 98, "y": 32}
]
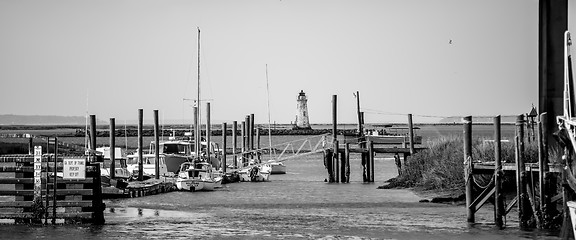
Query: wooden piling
[
  {"x": 248, "y": 136},
  {"x": 258, "y": 153},
  {"x": 411, "y": 134},
  {"x": 334, "y": 117},
  {"x": 224, "y": 128},
  {"x": 112, "y": 148},
  {"x": 335, "y": 162},
  {"x": 140, "y": 145},
  {"x": 334, "y": 135},
  {"x": 371, "y": 161},
  {"x": 499, "y": 206},
  {"x": 360, "y": 130},
  {"x": 343, "y": 167},
  {"x": 92, "y": 134},
  {"x": 234, "y": 142},
  {"x": 243, "y": 155},
  {"x": 467, "y": 122},
  {"x": 543, "y": 164},
  {"x": 156, "y": 145},
  {"x": 347, "y": 159},
  {"x": 252, "y": 133},
  {"x": 524, "y": 214},
  {"x": 208, "y": 133}
]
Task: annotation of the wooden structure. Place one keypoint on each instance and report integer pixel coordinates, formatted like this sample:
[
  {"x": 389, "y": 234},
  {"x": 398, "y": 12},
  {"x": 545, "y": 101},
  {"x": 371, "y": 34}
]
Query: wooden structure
[
  {"x": 337, "y": 158},
  {"x": 535, "y": 208},
  {"x": 33, "y": 190}
]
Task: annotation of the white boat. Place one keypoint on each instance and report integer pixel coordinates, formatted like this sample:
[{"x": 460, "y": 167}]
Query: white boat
[
  {"x": 277, "y": 167},
  {"x": 148, "y": 165},
  {"x": 256, "y": 173},
  {"x": 197, "y": 177},
  {"x": 120, "y": 167}
]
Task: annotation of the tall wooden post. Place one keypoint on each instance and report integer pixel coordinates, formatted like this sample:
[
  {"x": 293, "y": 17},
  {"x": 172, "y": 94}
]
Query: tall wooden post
[
  {"x": 468, "y": 167},
  {"x": 248, "y": 136},
  {"x": 360, "y": 130},
  {"x": 334, "y": 135},
  {"x": 252, "y": 132},
  {"x": 224, "y": 128},
  {"x": 371, "y": 161},
  {"x": 411, "y": 134},
  {"x": 140, "y": 145},
  {"x": 243, "y": 155},
  {"x": 334, "y": 117},
  {"x": 543, "y": 163},
  {"x": 524, "y": 214},
  {"x": 552, "y": 23},
  {"x": 112, "y": 148},
  {"x": 336, "y": 170},
  {"x": 234, "y": 142},
  {"x": 156, "y": 145},
  {"x": 499, "y": 206},
  {"x": 347, "y": 159},
  {"x": 208, "y": 133},
  {"x": 92, "y": 135},
  {"x": 258, "y": 153}
]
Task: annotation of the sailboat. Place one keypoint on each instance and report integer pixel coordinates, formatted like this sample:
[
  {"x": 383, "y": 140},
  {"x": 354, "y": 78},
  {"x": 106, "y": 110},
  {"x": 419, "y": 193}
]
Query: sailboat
[{"x": 197, "y": 174}]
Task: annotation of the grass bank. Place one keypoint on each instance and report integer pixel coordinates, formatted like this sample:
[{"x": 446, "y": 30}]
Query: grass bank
[{"x": 440, "y": 167}]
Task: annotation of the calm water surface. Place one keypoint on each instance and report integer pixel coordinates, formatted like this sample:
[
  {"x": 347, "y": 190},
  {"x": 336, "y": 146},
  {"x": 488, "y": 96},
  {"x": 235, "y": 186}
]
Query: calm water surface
[{"x": 297, "y": 205}]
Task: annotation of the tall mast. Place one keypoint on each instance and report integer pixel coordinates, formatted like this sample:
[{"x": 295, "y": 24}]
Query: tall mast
[
  {"x": 269, "y": 129},
  {"x": 198, "y": 130}
]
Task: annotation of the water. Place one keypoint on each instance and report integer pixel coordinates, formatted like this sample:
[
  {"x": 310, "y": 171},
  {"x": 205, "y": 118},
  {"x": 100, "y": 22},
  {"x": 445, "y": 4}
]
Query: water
[{"x": 297, "y": 205}]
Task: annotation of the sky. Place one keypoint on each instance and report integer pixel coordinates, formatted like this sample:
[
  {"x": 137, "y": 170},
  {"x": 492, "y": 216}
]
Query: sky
[{"x": 428, "y": 58}]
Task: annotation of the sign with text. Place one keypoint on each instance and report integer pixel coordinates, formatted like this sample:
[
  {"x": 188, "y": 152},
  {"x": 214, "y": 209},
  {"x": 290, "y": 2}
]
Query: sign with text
[
  {"x": 37, "y": 171},
  {"x": 74, "y": 168}
]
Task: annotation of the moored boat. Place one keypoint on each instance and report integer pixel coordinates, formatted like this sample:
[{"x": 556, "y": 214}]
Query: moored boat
[
  {"x": 197, "y": 177},
  {"x": 256, "y": 173}
]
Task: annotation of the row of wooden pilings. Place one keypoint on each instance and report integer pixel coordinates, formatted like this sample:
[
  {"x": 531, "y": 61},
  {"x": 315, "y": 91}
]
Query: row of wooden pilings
[
  {"x": 337, "y": 161},
  {"x": 249, "y": 137},
  {"x": 535, "y": 208}
]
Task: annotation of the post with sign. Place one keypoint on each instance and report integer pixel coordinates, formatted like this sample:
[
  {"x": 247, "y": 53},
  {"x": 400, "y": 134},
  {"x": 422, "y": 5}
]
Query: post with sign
[
  {"x": 74, "y": 168},
  {"x": 37, "y": 173}
]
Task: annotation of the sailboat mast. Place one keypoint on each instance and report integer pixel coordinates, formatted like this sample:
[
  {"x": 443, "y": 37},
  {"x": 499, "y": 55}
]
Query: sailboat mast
[
  {"x": 198, "y": 130},
  {"x": 269, "y": 129}
]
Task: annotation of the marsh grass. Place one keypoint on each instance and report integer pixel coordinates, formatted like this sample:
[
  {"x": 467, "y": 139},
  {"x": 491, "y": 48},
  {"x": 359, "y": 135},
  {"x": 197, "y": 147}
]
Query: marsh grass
[{"x": 441, "y": 165}]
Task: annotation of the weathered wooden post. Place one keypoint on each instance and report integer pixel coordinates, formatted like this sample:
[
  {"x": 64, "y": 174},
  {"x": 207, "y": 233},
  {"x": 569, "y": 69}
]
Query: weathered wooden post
[
  {"x": 243, "y": 155},
  {"x": 234, "y": 142},
  {"x": 112, "y": 148},
  {"x": 543, "y": 173},
  {"x": 335, "y": 162},
  {"x": 258, "y": 153},
  {"x": 360, "y": 130},
  {"x": 499, "y": 206},
  {"x": 371, "y": 161},
  {"x": 335, "y": 131},
  {"x": 467, "y": 122},
  {"x": 411, "y": 134},
  {"x": 208, "y": 133},
  {"x": 248, "y": 137},
  {"x": 343, "y": 166},
  {"x": 140, "y": 145},
  {"x": 524, "y": 213},
  {"x": 92, "y": 136},
  {"x": 347, "y": 159},
  {"x": 224, "y": 127},
  {"x": 252, "y": 133},
  {"x": 156, "y": 145}
]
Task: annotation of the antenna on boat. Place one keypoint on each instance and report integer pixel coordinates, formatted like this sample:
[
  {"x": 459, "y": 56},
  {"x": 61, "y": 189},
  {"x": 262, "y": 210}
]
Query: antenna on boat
[{"x": 269, "y": 128}]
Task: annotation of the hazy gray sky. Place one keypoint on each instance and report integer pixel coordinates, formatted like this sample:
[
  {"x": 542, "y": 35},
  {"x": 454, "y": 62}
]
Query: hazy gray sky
[{"x": 425, "y": 57}]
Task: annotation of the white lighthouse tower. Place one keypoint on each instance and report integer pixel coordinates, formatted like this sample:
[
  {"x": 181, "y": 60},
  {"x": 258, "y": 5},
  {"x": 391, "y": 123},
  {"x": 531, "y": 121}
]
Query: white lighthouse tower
[{"x": 302, "y": 121}]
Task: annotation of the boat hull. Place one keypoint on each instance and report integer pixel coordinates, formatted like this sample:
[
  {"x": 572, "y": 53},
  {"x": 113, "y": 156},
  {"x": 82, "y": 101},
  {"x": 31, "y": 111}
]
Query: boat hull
[{"x": 278, "y": 168}]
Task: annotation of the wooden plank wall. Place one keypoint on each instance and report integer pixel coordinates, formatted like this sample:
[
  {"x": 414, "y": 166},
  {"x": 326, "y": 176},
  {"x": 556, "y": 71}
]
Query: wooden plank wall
[{"x": 77, "y": 201}]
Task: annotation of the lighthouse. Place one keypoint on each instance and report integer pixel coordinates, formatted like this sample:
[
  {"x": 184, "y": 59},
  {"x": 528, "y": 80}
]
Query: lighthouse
[{"x": 302, "y": 121}]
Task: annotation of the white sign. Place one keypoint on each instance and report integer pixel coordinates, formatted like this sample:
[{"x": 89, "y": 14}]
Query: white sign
[
  {"x": 74, "y": 168},
  {"x": 37, "y": 171}
]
